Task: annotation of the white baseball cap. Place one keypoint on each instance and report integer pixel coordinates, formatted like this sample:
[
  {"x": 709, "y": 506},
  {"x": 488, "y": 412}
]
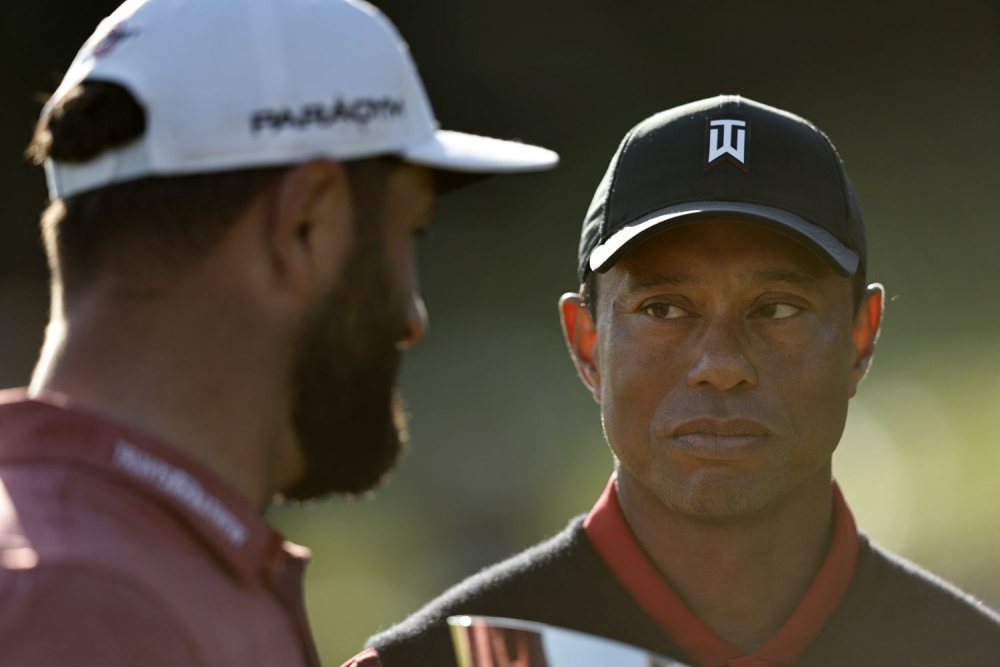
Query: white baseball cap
[{"x": 235, "y": 84}]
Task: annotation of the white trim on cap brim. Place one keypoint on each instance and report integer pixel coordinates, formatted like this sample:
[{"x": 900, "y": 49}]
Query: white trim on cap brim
[
  {"x": 842, "y": 259},
  {"x": 473, "y": 154}
]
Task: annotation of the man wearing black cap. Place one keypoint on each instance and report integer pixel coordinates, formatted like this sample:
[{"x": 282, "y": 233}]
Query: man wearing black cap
[{"x": 723, "y": 323}]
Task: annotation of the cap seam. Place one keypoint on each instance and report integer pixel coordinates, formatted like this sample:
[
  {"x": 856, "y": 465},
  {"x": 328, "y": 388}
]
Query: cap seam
[
  {"x": 584, "y": 265},
  {"x": 614, "y": 183},
  {"x": 838, "y": 167}
]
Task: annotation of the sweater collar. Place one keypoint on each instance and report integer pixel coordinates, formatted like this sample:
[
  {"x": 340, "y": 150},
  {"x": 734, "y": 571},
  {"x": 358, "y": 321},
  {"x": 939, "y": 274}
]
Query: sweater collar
[{"x": 614, "y": 541}]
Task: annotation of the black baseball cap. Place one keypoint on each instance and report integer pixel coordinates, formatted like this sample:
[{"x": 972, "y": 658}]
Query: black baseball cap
[{"x": 725, "y": 158}]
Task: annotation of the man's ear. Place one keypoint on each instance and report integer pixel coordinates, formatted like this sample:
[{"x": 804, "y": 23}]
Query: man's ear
[
  {"x": 309, "y": 229},
  {"x": 867, "y": 325},
  {"x": 580, "y": 332}
]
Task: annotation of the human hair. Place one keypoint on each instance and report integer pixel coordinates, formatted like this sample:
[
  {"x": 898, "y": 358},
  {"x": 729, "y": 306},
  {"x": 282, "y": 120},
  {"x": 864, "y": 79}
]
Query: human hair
[
  {"x": 162, "y": 221},
  {"x": 588, "y": 291}
]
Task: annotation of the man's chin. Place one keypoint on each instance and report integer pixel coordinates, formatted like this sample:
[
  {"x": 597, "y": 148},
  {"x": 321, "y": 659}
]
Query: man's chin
[
  {"x": 344, "y": 482},
  {"x": 356, "y": 463},
  {"x": 717, "y": 496}
]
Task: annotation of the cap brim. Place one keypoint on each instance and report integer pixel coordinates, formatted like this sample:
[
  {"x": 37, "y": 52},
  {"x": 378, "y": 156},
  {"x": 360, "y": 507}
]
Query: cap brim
[
  {"x": 841, "y": 259},
  {"x": 472, "y": 154}
]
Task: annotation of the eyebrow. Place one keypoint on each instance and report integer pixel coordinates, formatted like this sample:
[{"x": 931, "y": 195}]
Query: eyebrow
[{"x": 762, "y": 276}]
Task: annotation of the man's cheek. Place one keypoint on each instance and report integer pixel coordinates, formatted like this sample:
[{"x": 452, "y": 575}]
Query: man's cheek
[
  {"x": 630, "y": 373},
  {"x": 814, "y": 394},
  {"x": 631, "y": 391}
]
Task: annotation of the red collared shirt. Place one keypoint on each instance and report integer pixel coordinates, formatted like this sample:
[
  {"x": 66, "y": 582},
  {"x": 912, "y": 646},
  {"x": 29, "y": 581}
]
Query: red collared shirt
[
  {"x": 117, "y": 550},
  {"x": 613, "y": 539}
]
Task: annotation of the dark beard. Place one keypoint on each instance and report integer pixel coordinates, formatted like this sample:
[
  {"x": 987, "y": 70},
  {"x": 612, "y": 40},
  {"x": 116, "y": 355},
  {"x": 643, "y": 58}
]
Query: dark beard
[{"x": 348, "y": 414}]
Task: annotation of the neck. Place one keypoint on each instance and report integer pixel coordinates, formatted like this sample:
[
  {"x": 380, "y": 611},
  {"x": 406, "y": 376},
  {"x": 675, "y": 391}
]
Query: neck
[
  {"x": 745, "y": 578},
  {"x": 181, "y": 378}
]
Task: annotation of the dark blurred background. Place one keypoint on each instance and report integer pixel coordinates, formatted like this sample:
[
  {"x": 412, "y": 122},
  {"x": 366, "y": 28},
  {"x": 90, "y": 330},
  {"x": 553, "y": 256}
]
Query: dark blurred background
[{"x": 506, "y": 443}]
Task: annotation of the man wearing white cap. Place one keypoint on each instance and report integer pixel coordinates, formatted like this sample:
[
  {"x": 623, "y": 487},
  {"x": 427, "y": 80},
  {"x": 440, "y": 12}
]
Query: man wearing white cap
[{"x": 236, "y": 186}]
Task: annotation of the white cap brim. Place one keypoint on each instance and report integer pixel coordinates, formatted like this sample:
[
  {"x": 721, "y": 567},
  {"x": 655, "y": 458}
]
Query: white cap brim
[
  {"x": 841, "y": 259},
  {"x": 473, "y": 154}
]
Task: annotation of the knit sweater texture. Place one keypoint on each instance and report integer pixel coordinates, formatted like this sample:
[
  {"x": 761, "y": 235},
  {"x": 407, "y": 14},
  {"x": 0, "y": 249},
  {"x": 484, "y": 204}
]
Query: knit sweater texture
[{"x": 894, "y": 613}]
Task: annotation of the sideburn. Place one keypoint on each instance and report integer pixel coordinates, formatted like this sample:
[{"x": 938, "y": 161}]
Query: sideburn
[{"x": 347, "y": 415}]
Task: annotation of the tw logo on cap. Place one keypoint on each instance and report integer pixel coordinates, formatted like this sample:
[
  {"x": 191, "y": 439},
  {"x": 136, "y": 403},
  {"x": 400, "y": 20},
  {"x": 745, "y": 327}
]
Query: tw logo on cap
[{"x": 727, "y": 140}]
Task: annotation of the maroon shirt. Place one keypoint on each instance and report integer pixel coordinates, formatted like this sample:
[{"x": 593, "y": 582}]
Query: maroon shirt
[{"x": 118, "y": 550}]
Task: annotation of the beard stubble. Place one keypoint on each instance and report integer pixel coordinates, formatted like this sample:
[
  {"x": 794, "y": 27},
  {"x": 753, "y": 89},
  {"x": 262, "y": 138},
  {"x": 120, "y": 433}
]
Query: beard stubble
[{"x": 348, "y": 415}]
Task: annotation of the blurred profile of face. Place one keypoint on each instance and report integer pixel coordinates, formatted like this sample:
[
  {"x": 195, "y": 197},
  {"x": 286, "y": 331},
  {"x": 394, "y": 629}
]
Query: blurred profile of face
[
  {"x": 347, "y": 414},
  {"x": 726, "y": 360}
]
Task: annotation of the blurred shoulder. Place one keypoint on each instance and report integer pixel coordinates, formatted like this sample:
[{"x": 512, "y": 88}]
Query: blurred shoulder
[{"x": 99, "y": 617}]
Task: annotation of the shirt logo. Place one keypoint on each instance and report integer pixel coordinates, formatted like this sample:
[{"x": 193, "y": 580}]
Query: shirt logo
[
  {"x": 181, "y": 486},
  {"x": 727, "y": 140}
]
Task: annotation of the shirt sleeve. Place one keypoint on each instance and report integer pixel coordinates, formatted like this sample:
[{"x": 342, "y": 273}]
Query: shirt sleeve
[
  {"x": 367, "y": 658},
  {"x": 73, "y": 616}
]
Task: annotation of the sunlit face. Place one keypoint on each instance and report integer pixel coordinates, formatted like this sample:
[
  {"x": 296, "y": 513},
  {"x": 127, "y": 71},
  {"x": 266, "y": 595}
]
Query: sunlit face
[
  {"x": 348, "y": 415},
  {"x": 725, "y": 356}
]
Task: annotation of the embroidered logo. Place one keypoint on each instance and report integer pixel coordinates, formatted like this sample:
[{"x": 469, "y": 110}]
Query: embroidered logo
[
  {"x": 727, "y": 140},
  {"x": 359, "y": 112},
  {"x": 181, "y": 486}
]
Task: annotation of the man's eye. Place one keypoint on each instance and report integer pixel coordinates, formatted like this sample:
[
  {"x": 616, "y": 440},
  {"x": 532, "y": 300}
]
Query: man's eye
[
  {"x": 664, "y": 311},
  {"x": 778, "y": 311}
]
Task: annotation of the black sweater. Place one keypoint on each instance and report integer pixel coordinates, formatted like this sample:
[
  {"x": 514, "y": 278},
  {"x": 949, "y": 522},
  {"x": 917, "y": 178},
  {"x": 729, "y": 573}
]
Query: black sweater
[{"x": 894, "y": 613}]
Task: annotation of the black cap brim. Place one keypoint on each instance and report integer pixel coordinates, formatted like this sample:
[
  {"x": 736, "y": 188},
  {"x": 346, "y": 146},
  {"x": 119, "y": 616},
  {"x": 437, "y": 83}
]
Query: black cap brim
[{"x": 841, "y": 259}]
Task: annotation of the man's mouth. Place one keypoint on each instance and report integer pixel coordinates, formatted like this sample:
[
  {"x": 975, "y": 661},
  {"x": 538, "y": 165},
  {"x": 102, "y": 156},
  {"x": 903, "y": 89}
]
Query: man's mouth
[{"x": 720, "y": 439}]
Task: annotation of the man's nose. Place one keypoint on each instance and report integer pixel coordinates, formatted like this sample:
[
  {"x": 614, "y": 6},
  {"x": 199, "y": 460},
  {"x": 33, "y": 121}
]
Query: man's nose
[
  {"x": 721, "y": 361},
  {"x": 416, "y": 322}
]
